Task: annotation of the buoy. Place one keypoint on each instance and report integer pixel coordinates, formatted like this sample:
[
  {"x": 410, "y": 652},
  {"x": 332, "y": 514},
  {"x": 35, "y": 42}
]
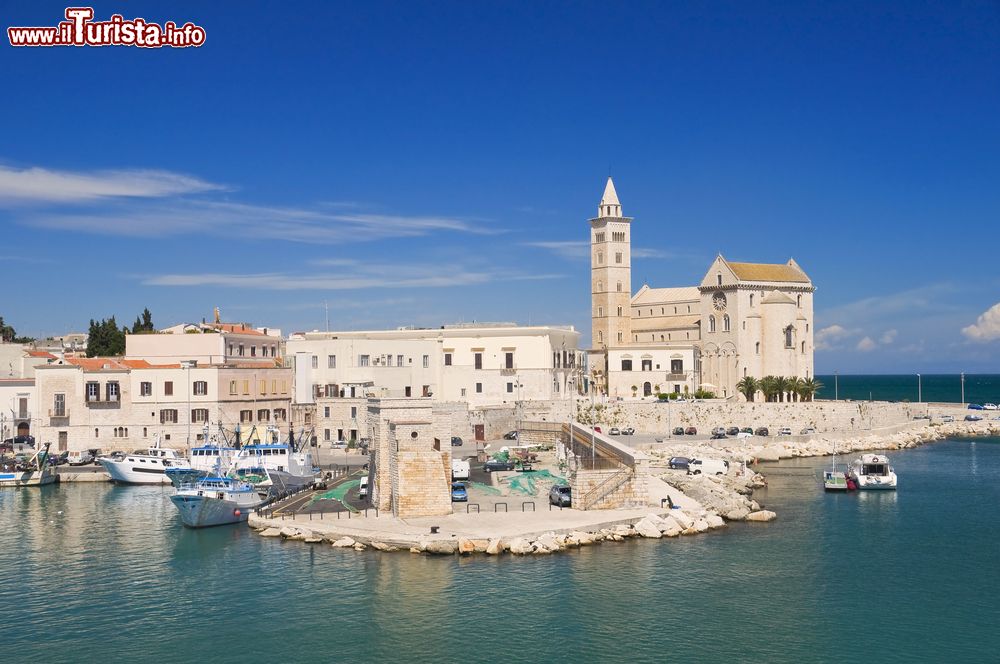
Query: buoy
[{"x": 236, "y": 512}]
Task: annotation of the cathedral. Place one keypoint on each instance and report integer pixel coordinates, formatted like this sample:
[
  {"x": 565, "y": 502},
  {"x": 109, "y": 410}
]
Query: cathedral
[{"x": 742, "y": 319}]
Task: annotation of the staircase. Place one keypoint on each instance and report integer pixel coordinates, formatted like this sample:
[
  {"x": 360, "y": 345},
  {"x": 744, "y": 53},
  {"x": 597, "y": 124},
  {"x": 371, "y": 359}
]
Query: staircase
[{"x": 605, "y": 488}]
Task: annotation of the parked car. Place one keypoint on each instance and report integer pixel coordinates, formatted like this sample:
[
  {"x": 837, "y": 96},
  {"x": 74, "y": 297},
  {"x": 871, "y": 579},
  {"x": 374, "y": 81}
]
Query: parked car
[
  {"x": 80, "y": 458},
  {"x": 748, "y": 430},
  {"x": 59, "y": 459},
  {"x": 338, "y": 445},
  {"x": 459, "y": 494},
  {"x": 678, "y": 431},
  {"x": 989, "y": 406},
  {"x": 679, "y": 462},
  {"x": 496, "y": 464},
  {"x": 628, "y": 431},
  {"x": 973, "y": 418},
  {"x": 719, "y": 436},
  {"x": 732, "y": 431},
  {"x": 614, "y": 431},
  {"x": 947, "y": 418},
  {"x": 598, "y": 429},
  {"x": 720, "y": 431},
  {"x": 975, "y": 406},
  {"x": 691, "y": 431},
  {"x": 807, "y": 431},
  {"x": 456, "y": 441},
  {"x": 785, "y": 431},
  {"x": 762, "y": 431},
  {"x": 510, "y": 435},
  {"x": 363, "y": 487},
  {"x": 708, "y": 467},
  {"x": 561, "y": 495}
]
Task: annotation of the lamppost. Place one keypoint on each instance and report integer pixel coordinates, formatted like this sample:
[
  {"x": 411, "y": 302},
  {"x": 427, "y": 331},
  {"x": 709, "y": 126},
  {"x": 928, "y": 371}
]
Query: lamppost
[
  {"x": 920, "y": 394},
  {"x": 836, "y": 386},
  {"x": 963, "y": 387}
]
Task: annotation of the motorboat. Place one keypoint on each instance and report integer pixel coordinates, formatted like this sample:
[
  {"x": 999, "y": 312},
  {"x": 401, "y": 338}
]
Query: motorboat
[
  {"x": 837, "y": 480},
  {"x": 143, "y": 466},
  {"x": 28, "y": 471},
  {"x": 872, "y": 471},
  {"x": 286, "y": 469},
  {"x": 201, "y": 463},
  {"x": 215, "y": 501}
]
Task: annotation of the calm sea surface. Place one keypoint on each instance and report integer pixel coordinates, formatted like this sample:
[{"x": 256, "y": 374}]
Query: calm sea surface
[
  {"x": 979, "y": 388},
  {"x": 92, "y": 572}
]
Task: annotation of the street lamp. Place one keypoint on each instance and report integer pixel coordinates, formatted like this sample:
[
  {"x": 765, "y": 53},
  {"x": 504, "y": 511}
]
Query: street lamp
[
  {"x": 920, "y": 394},
  {"x": 963, "y": 387},
  {"x": 836, "y": 386}
]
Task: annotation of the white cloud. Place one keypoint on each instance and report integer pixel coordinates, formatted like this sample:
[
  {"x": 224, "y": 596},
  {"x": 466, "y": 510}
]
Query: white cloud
[
  {"x": 43, "y": 185},
  {"x": 566, "y": 249},
  {"x": 827, "y": 337},
  {"x": 987, "y": 326},
  {"x": 888, "y": 337},
  {"x": 867, "y": 344}
]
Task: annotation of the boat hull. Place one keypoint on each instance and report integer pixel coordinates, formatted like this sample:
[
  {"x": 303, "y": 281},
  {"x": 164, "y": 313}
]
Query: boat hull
[
  {"x": 124, "y": 472},
  {"x": 27, "y": 478},
  {"x": 205, "y": 511}
]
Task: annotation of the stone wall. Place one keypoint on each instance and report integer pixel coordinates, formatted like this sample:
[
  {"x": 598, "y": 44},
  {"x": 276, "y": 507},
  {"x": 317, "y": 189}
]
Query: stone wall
[{"x": 654, "y": 417}]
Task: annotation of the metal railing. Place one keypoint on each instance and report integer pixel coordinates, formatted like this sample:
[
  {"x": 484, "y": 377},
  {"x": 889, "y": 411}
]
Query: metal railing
[{"x": 605, "y": 488}]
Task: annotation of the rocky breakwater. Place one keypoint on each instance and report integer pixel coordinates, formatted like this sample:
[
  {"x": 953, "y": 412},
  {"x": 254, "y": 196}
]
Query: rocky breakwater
[{"x": 725, "y": 495}]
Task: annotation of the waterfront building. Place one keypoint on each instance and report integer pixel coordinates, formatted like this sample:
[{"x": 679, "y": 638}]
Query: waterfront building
[
  {"x": 479, "y": 365},
  {"x": 742, "y": 319},
  {"x": 208, "y": 343}
]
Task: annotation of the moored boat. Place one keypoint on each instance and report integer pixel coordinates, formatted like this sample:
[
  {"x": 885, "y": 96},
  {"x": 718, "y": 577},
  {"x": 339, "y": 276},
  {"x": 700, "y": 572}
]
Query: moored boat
[
  {"x": 33, "y": 471},
  {"x": 215, "y": 501},
  {"x": 141, "y": 467},
  {"x": 872, "y": 471}
]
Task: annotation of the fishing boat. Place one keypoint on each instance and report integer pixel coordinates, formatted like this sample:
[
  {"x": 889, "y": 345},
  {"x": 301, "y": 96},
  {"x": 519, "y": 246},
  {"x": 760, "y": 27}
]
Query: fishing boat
[
  {"x": 215, "y": 501},
  {"x": 31, "y": 471},
  {"x": 143, "y": 467},
  {"x": 837, "y": 480},
  {"x": 201, "y": 463},
  {"x": 872, "y": 471}
]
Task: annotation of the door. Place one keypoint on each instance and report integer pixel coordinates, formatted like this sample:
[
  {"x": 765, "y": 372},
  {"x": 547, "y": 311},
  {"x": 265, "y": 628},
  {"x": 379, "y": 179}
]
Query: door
[
  {"x": 480, "y": 432},
  {"x": 63, "y": 442},
  {"x": 647, "y": 389}
]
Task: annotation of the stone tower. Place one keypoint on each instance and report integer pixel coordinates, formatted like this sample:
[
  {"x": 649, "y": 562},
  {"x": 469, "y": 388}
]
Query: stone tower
[{"x": 611, "y": 273}]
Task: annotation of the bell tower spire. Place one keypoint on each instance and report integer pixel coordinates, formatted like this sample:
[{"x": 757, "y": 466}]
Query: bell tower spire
[
  {"x": 609, "y": 205},
  {"x": 611, "y": 273}
]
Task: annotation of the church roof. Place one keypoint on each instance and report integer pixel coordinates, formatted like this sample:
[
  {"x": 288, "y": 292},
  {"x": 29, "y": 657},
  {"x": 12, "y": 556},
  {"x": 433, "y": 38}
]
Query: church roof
[
  {"x": 610, "y": 196},
  {"x": 666, "y": 323},
  {"x": 777, "y": 297},
  {"x": 769, "y": 272},
  {"x": 647, "y": 295}
]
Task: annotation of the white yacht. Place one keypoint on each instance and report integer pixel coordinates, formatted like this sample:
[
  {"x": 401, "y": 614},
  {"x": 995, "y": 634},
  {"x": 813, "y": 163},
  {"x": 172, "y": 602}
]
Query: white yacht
[
  {"x": 203, "y": 462},
  {"x": 872, "y": 471},
  {"x": 285, "y": 468},
  {"x": 140, "y": 467},
  {"x": 215, "y": 501}
]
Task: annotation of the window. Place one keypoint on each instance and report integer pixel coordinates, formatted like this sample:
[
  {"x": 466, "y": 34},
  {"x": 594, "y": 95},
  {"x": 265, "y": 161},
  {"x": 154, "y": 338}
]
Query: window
[
  {"x": 253, "y": 353},
  {"x": 399, "y": 360},
  {"x": 676, "y": 366},
  {"x": 619, "y": 287},
  {"x": 711, "y": 323},
  {"x": 354, "y": 412},
  {"x": 331, "y": 361},
  {"x": 425, "y": 390},
  {"x": 326, "y": 434},
  {"x": 788, "y": 337},
  {"x": 626, "y": 365},
  {"x": 427, "y": 361},
  {"x": 508, "y": 359},
  {"x": 263, "y": 387},
  {"x": 241, "y": 350},
  {"x": 600, "y": 337},
  {"x": 246, "y": 387},
  {"x": 463, "y": 391},
  {"x": 230, "y": 349},
  {"x": 803, "y": 348},
  {"x": 600, "y": 286},
  {"x": 619, "y": 337},
  {"x": 725, "y": 323},
  {"x": 447, "y": 359},
  {"x": 757, "y": 348},
  {"x": 280, "y": 415},
  {"x": 600, "y": 258},
  {"x": 807, "y": 327},
  {"x": 510, "y": 387},
  {"x": 647, "y": 365},
  {"x": 326, "y": 411},
  {"x": 246, "y": 416},
  {"x": 479, "y": 388},
  {"x": 619, "y": 311},
  {"x": 97, "y": 433},
  {"x": 200, "y": 388},
  {"x": 600, "y": 312},
  {"x": 168, "y": 416},
  {"x": 719, "y": 278},
  {"x": 618, "y": 257},
  {"x": 751, "y": 299},
  {"x": 315, "y": 361},
  {"x": 284, "y": 387},
  {"x": 363, "y": 361},
  {"x": 145, "y": 389},
  {"x": 168, "y": 388},
  {"x": 479, "y": 360},
  {"x": 407, "y": 391},
  {"x": 798, "y": 300},
  {"x": 274, "y": 386},
  {"x": 199, "y": 415},
  {"x": 113, "y": 391},
  {"x": 599, "y": 237},
  {"x": 232, "y": 387},
  {"x": 93, "y": 391},
  {"x": 263, "y": 415}
]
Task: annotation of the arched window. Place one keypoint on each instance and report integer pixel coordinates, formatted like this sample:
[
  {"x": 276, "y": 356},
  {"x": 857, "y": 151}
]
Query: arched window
[
  {"x": 751, "y": 299},
  {"x": 799, "y": 300},
  {"x": 619, "y": 337},
  {"x": 757, "y": 348},
  {"x": 711, "y": 323},
  {"x": 97, "y": 433},
  {"x": 725, "y": 323},
  {"x": 600, "y": 312},
  {"x": 619, "y": 287},
  {"x": 720, "y": 279},
  {"x": 600, "y": 337},
  {"x": 803, "y": 348},
  {"x": 619, "y": 311},
  {"x": 788, "y": 337}
]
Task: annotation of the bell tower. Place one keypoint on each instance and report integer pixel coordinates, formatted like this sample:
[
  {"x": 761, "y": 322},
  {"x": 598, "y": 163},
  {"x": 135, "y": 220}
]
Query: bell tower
[{"x": 611, "y": 273}]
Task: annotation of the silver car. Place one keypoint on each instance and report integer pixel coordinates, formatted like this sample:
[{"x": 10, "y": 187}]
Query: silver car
[{"x": 561, "y": 495}]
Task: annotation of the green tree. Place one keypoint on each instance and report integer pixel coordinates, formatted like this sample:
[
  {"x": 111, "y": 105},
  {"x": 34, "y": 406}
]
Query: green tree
[
  {"x": 104, "y": 339},
  {"x": 781, "y": 387},
  {"x": 810, "y": 387},
  {"x": 794, "y": 388},
  {"x": 145, "y": 324},
  {"x": 748, "y": 387},
  {"x": 769, "y": 386}
]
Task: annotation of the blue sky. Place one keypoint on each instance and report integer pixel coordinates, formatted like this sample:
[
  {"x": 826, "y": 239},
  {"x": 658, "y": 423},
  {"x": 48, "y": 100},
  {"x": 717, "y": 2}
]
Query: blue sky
[{"x": 424, "y": 163}]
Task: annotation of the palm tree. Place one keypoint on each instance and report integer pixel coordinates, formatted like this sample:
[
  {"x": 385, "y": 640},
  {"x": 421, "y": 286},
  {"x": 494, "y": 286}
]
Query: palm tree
[
  {"x": 795, "y": 388},
  {"x": 810, "y": 386},
  {"x": 781, "y": 386},
  {"x": 748, "y": 387},
  {"x": 769, "y": 386}
]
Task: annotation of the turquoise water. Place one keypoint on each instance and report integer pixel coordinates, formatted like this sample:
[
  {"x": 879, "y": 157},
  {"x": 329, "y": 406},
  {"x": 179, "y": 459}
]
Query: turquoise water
[
  {"x": 979, "y": 388},
  {"x": 905, "y": 576}
]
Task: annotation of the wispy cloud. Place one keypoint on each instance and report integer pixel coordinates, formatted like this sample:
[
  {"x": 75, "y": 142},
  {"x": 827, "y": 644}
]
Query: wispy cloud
[
  {"x": 43, "y": 185},
  {"x": 987, "y": 326},
  {"x": 867, "y": 344},
  {"x": 580, "y": 249}
]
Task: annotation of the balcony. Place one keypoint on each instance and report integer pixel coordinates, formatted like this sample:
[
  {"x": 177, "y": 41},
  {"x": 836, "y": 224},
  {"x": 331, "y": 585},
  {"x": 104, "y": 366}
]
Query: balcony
[
  {"x": 683, "y": 375},
  {"x": 512, "y": 371},
  {"x": 113, "y": 402},
  {"x": 61, "y": 416}
]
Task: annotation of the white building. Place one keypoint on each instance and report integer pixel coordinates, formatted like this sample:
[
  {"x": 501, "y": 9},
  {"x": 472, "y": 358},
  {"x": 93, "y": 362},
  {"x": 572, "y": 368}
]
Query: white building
[
  {"x": 208, "y": 343},
  {"x": 743, "y": 319}
]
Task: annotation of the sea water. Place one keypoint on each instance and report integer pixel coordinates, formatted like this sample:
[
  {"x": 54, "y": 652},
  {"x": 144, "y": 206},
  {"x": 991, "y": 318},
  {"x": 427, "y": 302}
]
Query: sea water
[
  {"x": 979, "y": 388},
  {"x": 94, "y": 572}
]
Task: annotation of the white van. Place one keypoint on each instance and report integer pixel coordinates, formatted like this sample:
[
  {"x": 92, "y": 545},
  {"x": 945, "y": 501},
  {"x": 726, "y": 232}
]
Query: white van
[
  {"x": 459, "y": 469},
  {"x": 363, "y": 487},
  {"x": 708, "y": 467}
]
